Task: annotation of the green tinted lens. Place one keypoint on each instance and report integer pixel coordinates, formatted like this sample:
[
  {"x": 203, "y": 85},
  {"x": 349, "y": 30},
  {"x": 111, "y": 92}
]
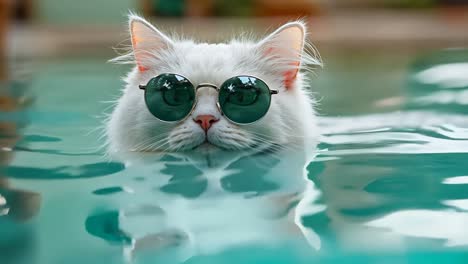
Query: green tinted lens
[
  {"x": 244, "y": 99},
  {"x": 169, "y": 97}
]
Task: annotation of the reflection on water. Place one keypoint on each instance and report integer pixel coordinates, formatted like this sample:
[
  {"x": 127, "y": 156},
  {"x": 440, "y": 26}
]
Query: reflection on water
[
  {"x": 372, "y": 196},
  {"x": 17, "y": 206},
  {"x": 106, "y": 226},
  {"x": 212, "y": 200},
  {"x": 416, "y": 223},
  {"x": 440, "y": 81},
  {"x": 382, "y": 186},
  {"x": 446, "y": 76},
  {"x": 65, "y": 172},
  {"x": 112, "y": 190},
  {"x": 398, "y": 177}
]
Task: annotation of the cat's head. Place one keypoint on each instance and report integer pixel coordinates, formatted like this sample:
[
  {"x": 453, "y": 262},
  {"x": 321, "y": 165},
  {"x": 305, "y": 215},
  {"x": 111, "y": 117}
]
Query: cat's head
[{"x": 277, "y": 60}]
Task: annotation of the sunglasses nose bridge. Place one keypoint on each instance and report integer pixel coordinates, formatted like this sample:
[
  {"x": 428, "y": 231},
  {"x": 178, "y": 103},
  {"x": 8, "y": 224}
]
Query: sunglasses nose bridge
[
  {"x": 206, "y": 102},
  {"x": 208, "y": 90},
  {"x": 208, "y": 85}
]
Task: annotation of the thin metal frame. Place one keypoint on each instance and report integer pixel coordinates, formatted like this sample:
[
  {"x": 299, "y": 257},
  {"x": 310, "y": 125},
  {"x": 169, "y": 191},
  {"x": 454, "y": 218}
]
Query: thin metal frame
[{"x": 210, "y": 85}]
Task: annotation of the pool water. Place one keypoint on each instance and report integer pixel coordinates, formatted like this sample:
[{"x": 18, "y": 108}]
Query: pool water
[{"x": 387, "y": 183}]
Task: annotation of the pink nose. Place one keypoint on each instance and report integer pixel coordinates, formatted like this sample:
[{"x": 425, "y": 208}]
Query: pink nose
[{"x": 205, "y": 121}]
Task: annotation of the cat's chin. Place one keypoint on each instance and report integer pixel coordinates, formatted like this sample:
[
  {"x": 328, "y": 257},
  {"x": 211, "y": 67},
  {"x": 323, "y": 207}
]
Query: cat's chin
[
  {"x": 208, "y": 155},
  {"x": 207, "y": 147}
]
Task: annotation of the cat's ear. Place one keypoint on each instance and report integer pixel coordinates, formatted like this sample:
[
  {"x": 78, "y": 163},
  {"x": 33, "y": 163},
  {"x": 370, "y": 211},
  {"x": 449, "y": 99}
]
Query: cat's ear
[
  {"x": 285, "y": 47},
  {"x": 146, "y": 41}
]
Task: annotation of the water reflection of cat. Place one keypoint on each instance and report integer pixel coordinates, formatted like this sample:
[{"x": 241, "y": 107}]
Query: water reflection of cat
[{"x": 209, "y": 201}]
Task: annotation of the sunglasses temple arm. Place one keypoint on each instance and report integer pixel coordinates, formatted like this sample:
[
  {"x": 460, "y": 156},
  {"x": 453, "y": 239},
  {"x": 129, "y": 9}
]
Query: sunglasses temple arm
[{"x": 142, "y": 87}]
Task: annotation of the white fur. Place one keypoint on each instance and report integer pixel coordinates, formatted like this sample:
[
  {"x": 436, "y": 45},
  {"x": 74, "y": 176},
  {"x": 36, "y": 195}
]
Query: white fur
[{"x": 289, "y": 121}]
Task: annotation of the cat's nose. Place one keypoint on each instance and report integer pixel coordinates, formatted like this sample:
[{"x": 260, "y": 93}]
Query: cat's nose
[{"x": 205, "y": 121}]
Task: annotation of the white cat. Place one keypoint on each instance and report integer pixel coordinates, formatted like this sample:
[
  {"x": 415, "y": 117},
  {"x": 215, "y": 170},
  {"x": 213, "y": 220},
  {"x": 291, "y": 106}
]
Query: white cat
[{"x": 279, "y": 60}]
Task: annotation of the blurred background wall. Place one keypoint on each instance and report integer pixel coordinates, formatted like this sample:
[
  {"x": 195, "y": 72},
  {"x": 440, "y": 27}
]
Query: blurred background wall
[
  {"x": 54, "y": 24},
  {"x": 49, "y": 28},
  {"x": 111, "y": 11},
  {"x": 83, "y": 11}
]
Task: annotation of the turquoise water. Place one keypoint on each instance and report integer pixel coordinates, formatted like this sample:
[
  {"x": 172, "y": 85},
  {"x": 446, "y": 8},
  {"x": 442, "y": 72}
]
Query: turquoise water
[{"x": 388, "y": 182}]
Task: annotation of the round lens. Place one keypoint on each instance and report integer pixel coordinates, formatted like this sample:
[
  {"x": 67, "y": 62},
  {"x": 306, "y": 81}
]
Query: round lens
[
  {"x": 244, "y": 99},
  {"x": 169, "y": 97}
]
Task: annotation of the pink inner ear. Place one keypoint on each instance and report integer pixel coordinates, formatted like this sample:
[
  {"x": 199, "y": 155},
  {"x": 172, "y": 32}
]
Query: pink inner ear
[
  {"x": 289, "y": 78},
  {"x": 142, "y": 68},
  {"x": 290, "y": 75},
  {"x": 135, "y": 42}
]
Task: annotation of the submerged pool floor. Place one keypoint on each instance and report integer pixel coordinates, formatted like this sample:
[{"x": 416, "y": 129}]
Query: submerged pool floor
[{"x": 388, "y": 182}]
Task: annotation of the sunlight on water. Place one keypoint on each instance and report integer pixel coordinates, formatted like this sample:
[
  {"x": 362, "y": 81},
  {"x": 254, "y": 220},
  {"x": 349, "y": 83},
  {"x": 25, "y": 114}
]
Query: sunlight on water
[
  {"x": 387, "y": 182},
  {"x": 452, "y": 75}
]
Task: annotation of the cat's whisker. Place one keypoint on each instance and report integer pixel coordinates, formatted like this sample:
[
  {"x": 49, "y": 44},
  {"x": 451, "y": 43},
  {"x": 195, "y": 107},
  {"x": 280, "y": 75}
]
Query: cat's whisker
[
  {"x": 170, "y": 142},
  {"x": 273, "y": 146},
  {"x": 157, "y": 144},
  {"x": 151, "y": 139},
  {"x": 156, "y": 138},
  {"x": 291, "y": 144},
  {"x": 289, "y": 135}
]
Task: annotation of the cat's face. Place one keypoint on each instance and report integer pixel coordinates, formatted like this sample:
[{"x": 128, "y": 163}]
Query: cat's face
[{"x": 276, "y": 60}]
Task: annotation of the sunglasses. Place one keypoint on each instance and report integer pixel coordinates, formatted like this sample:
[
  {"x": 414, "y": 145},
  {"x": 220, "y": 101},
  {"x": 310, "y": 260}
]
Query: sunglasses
[{"x": 241, "y": 99}]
